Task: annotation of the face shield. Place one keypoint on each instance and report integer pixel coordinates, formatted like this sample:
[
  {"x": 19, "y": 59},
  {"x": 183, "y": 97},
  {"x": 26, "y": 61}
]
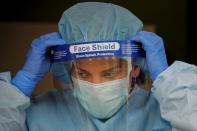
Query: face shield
[{"x": 101, "y": 74}]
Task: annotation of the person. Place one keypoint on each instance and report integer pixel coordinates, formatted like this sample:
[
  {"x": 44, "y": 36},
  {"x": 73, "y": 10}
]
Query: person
[{"x": 100, "y": 100}]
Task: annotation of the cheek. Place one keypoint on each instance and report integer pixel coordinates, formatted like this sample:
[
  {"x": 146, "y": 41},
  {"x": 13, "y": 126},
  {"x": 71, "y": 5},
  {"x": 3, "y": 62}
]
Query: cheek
[{"x": 125, "y": 72}]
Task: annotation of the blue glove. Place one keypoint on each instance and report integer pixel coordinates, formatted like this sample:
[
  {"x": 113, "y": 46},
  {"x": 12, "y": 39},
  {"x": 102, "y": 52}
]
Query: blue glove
[
  {"x": 155, "y": 52},
  {"x": 37, "y": 64}
]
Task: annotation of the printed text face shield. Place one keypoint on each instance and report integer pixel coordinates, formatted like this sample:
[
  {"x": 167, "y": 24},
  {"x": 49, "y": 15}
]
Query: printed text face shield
[{"x": 99, "y": 73}]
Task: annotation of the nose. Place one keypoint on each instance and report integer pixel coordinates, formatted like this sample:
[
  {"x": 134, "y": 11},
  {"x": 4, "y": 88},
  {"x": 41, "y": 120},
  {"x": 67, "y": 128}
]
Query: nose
[{"x": 96, "y": 79}]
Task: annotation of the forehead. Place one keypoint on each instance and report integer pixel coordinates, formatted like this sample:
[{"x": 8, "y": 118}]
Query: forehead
[{"x": 101, "y": 61}]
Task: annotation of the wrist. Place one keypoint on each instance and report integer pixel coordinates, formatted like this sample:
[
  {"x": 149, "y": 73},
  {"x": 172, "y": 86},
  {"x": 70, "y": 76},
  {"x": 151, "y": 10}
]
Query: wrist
[
  {"x": 25, "y": 82},
  {"x": 159, "y": 70}
]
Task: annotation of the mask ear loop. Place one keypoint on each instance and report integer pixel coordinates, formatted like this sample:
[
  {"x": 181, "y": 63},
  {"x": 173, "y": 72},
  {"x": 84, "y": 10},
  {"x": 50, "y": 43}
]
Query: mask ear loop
[
  {"x": 131, "y": 81},
  {"x": 129, "y": 76}
]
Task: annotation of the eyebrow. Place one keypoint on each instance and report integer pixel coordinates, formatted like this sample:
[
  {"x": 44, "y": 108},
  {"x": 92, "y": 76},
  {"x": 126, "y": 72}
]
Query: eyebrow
[
  {"x": 78, "y": 68},
  {"x": 111, "y": 69},
  {"x": 118, "y": 66}
]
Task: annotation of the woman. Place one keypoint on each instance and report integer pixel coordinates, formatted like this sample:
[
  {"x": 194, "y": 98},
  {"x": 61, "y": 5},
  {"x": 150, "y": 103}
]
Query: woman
[{"x": 169, "y": 106}]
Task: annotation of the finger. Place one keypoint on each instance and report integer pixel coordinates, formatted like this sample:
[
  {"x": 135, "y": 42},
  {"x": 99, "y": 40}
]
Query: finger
[
  {"x": 148, "y": 39},
  {"x": 53, "y": 35},
  {"x": 49, "y": 43}
]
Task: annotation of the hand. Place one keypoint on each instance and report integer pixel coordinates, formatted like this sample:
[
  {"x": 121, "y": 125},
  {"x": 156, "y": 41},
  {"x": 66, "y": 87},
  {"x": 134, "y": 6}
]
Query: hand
[
  {"x": 37, "y": 65},
  {"x": 155, "y": 52}
]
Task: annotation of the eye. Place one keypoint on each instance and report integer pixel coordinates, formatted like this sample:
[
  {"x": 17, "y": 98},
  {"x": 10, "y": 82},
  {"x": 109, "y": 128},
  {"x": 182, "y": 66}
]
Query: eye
[
  {"x": 109, "y": 74},
  {"x": 82, "y": 74}
]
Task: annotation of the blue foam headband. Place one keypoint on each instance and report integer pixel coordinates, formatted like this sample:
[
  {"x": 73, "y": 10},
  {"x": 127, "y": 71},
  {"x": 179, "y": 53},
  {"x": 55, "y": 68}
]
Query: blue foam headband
[{"x": 95, "y": 49}]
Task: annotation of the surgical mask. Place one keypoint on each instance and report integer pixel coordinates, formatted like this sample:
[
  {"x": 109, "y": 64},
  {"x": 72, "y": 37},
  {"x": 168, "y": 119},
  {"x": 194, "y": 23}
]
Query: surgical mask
[{"x": 101, "y": 100}]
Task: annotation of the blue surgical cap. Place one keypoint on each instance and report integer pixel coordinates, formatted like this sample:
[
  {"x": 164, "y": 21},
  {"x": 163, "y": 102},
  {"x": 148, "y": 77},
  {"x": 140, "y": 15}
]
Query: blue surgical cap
[{"x": 95, "y": 21}]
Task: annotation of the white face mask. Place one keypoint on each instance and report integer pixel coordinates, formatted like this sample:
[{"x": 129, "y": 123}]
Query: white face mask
[{"x": 101, "y": 100}]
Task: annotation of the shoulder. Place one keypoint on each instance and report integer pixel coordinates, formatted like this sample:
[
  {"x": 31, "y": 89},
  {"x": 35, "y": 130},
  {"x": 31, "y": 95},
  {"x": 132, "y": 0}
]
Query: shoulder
[
  {"x": 52, "y": 108},
  {"x": 48, "y": 102},
  {"x": 50, "y": 98}
]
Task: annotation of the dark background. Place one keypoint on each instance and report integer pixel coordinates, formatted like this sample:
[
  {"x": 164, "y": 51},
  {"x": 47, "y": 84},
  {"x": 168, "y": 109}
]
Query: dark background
[{"x": 174, "y": 20}]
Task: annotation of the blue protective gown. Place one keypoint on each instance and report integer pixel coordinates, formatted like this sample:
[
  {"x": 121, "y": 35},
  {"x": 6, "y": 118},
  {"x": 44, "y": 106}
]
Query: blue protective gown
[
  {"x": 170, "y": 106},
  {"x": 65, "y": 113}
]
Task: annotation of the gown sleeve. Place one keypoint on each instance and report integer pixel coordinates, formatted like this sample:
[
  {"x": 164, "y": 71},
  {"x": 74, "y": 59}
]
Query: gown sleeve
[
  {"x": 13, "y": 105},
  {"x": 176, "y": 91}
]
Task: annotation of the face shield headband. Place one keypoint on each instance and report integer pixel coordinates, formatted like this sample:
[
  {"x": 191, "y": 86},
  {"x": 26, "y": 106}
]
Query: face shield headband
[{"x": 96, "y": 49}]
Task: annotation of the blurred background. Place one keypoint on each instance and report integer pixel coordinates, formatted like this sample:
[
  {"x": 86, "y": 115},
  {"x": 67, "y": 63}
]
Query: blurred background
[{"x": 22, "y": 21}]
